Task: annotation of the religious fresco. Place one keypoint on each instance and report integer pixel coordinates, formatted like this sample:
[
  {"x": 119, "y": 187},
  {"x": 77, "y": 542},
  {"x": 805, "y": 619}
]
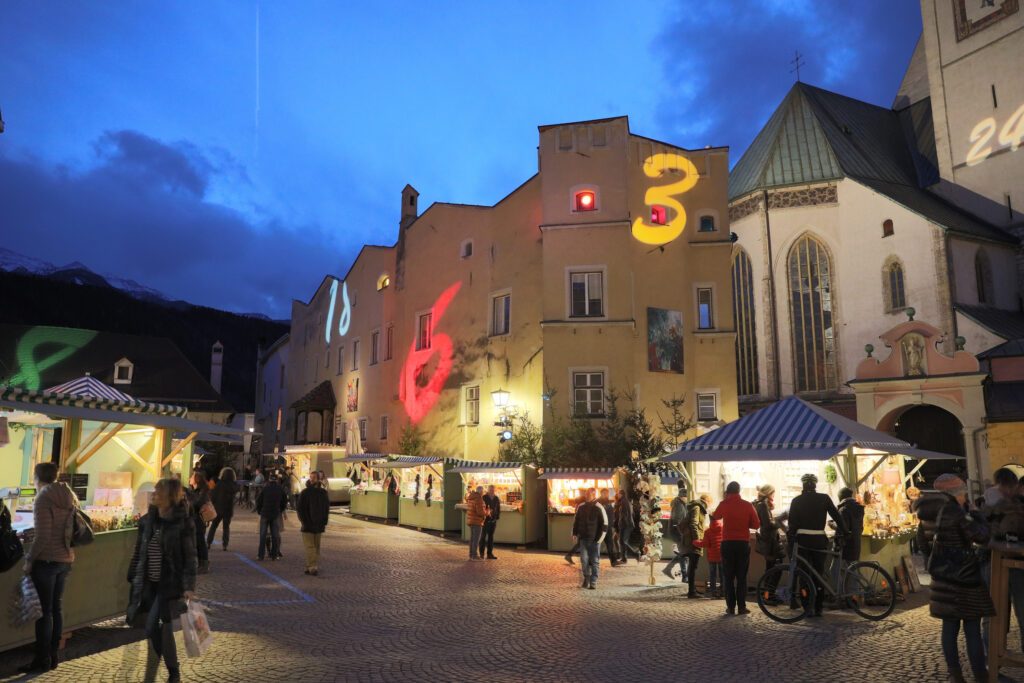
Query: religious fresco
[
  {"x": 352, "y": 395},
  {"x": 663, "y": 197},
  {"x": 971, "y": 16},
  {"x": 417, "y": 389},
  {"x": 664, "y": 340}
]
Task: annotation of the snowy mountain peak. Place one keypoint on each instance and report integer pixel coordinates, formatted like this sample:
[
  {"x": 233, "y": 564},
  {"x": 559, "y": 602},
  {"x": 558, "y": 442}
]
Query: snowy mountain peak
[{"x": 13, "y": 262}]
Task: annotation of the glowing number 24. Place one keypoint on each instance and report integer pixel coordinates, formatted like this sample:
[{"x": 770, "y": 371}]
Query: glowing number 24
[
  {"x": 664, "y": 195},
  {"x": 1011, "y": 135}
]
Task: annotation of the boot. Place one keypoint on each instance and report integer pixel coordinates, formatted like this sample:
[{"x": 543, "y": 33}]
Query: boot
[
  {"x": 957, "y": 676},
  {"x": 568, "y": 558},
  {"x": 586, "y": 583},
  {"x": 204, "y": 566}
]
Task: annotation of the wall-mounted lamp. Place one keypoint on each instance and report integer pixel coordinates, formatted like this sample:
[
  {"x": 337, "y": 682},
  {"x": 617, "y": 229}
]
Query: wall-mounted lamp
[{"x": 500, "y": 398}]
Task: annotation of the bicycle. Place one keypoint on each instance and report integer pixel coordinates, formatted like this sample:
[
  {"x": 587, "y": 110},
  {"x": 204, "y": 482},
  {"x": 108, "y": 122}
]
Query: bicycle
[{"x": 786, "y": 592}]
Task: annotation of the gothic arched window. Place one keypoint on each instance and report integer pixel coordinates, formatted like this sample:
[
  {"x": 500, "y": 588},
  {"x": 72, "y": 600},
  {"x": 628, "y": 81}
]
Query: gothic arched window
[
  {"x": 743, "y": 294},
  {"x": 893, "y": 285},
  {"x": 983, "y": 277},
  {"x": 811, "y": 317}
]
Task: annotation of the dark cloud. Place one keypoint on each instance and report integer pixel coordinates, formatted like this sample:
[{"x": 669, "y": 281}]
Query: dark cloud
[
  {"x": 142, "y": 211},
  {"x": 727, "y": 62}
]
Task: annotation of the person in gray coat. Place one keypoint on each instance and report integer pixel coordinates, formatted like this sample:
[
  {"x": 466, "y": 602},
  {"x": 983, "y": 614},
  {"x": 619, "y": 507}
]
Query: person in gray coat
[
  {"x": 624, "y": 526},
  {"x": 677, "y": 517}
]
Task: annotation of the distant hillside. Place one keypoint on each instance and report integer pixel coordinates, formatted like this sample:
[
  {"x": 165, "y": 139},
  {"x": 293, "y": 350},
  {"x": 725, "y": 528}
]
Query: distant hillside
[{"x": 44, "y": 300}]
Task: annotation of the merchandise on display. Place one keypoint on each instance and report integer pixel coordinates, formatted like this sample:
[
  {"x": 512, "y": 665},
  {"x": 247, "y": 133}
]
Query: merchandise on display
[
  {"x": 564, "y": 494},
  {"x": 506, "y": 485}
]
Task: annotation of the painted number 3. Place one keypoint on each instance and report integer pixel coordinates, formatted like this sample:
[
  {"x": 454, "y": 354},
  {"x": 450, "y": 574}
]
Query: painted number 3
[
  {"x": 1010, "y": 136},
  {"x": 657, "y": 166}
]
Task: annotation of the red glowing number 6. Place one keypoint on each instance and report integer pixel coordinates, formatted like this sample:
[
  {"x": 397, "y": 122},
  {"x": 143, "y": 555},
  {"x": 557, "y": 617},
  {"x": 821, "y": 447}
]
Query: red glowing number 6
[{"x": 418, "y": 400}]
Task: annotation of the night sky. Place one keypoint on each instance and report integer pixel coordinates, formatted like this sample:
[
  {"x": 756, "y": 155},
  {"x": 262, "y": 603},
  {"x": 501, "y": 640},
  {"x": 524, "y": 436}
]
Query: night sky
[{"x": 146, "y": 140}]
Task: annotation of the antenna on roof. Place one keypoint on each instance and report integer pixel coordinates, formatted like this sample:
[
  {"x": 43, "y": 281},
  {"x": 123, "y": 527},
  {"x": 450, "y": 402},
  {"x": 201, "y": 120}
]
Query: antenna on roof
[{"x": 797, "y": 62}]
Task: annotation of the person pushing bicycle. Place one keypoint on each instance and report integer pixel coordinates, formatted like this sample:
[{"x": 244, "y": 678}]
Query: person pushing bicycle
[{"x": 807, "y": 517}]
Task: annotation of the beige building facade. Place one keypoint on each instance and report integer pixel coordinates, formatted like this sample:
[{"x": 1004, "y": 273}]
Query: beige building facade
[{"x": 606, "y": 272}]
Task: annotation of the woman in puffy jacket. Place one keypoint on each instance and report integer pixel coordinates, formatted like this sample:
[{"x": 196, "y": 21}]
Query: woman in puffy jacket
[
  {"x": 223, "y": 498},
  {"x": 958, "y": 593}
]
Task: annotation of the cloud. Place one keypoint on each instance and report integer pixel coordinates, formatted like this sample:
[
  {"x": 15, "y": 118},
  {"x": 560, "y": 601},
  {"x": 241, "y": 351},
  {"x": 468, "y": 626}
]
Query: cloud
[
  {"x": 143, "y": 210},
  {"x": 727, "y": 63}
]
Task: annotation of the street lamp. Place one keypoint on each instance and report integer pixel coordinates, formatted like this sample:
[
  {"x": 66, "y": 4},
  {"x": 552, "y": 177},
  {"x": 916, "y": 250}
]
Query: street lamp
[{"x": 500, "y": 398}]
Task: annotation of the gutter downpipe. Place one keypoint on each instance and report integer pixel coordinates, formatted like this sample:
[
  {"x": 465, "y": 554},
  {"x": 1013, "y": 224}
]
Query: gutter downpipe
[{"x": 776, "y": 365}]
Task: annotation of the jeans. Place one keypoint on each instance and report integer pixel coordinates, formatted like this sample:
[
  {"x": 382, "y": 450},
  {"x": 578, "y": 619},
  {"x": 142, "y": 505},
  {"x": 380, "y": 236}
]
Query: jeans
[
  {"x": 590, "y": 559},
  {"x": 623, "y": 539},
  {"x": 975, "y": 650},
  {"x": 691, "y": 572},
  {"x": 225, "y": 537},
  {"x": 487, "y": 538},
  {"x": 715, "y": 576},
  {"x": 735, "y": 562},
  {"x": 475, "y": 534},
  {"x": 202, "y": 551},
  {"x": 49, "y": 579},
  {"x": 312, "y": 544},
  {"x": 810, "y": 550},
  {"x": 682, "y": 561},
  {"x": 159, "y": 625},
  {"x": 274, "y": 525}
]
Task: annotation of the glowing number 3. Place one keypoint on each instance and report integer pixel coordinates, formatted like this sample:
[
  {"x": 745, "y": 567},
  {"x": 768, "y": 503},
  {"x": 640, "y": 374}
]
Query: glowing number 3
[
  {"x": 418, "y": 400},
  {"x": 664, "y": 195}
]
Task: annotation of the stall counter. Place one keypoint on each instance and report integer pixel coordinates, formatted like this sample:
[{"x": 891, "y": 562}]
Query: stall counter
[
  {"x": 96, "y": 587},
  {"x": 379, "y": 504},
  {"x": 560, "y": 531},
  {"x": 511, "y": 529},
  {"x": 439, "y": 515}
]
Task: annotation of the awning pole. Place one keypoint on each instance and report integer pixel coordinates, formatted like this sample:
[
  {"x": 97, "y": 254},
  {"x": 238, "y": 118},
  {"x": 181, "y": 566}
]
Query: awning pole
[
  {"x": 841, "y": 469},
  {"x": 872, "y": 470},
  {"x": 910, "y": 476}
]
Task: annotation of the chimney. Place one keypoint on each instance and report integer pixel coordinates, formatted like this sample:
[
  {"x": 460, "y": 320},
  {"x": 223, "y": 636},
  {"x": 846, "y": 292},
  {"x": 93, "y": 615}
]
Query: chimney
[
  {"x": 409, "y": 209},
  {"x": 216, "y": 365}
]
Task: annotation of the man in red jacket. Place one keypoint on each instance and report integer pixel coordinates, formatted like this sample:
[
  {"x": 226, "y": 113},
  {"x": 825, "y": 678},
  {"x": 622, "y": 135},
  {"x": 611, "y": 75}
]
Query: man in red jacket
[{"x": 738, "y": 518}]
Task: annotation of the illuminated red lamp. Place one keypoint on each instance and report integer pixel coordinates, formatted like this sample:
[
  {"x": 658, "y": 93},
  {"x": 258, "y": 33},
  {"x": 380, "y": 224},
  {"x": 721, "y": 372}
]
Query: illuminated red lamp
[
  {"x": 659, "y": 215},
  {"x": 586, "y": 201}
]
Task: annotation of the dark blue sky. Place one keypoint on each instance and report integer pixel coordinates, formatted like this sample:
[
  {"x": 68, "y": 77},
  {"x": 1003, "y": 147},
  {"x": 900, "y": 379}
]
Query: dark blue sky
[{"x": 147, "y": 141}]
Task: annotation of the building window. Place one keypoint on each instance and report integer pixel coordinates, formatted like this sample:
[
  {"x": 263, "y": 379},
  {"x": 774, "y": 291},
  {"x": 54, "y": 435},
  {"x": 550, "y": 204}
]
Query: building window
[
  {"x": 895, "y": 292},
  {"x": 355, "y": 354},
  {"x": 423, "y": 325},
  {"x": 472, "y": 416},
  {"x": 983, "y": 277},
  {"x": 588, "y": 394},
  {"x": 342, "y": 431},
  {"x": 586, "y": 200},
  {"x": 705, "y": 308},
  {"x": 389, "y": 342},
  {"x": 383, "y": 282},
  {"x": 374, "y": 347},
  {"x": 384, "y": 427},
  {"x": 811, "y": 316},
  {"x": 363, "y": 422},
  {"x": 341, "y": 359},
  {"x": 124, "y": 370},
  {"x": 887, "y": 228},
  {"x": 501, "y": 308},
  {"x": 747, "y": 381},
  {"x": 707, "y": 407},
  {"x": 327, "y": 358},
  {"x": 466, "y": 249},
  {"x": 659, "y": 215},
  {"x": 707, "y": 224},
  {"x": 586, "y": 295}
]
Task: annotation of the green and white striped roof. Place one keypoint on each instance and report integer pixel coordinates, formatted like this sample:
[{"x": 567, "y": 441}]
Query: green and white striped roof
[{"x": 38, "y": 400}]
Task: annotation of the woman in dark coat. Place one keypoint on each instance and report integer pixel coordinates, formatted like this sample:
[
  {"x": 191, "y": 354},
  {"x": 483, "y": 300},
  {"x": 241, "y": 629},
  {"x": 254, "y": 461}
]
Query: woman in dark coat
[
  {"x": 163, "y": 570},
  {"x": 198, "y": 496},
  {"x": 952, "y": 531},
  {"x": 223, "y": 497}
]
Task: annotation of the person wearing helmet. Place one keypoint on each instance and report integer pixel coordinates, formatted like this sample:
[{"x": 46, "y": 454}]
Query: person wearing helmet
[{"x": 807, "y": 517}]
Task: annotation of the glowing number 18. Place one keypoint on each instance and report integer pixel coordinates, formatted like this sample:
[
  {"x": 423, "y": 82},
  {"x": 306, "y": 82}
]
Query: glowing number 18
[{"x": 664, "y": 195}]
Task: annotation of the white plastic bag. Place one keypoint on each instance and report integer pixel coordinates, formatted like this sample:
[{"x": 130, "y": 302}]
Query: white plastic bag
[
  {"x": 196, "y": 629},
  {"x": 25, "y": 606}
]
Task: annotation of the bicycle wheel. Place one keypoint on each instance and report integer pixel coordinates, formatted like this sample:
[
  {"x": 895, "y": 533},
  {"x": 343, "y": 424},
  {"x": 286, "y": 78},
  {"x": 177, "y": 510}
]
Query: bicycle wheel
[
  {"x": 870, "y": 590},
  {"x": 785, "y": 594}
]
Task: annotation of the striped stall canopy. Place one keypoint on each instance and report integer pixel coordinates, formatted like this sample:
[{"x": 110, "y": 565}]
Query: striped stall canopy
[
  {"x": 578, "y": 473},
  {"x": 401, "y": 461},
  {"x": 375, "y": 458},
  {"x": 37, "y": 400},
  {"x": 89, "y": 386},
  {"x": 467, "y": 466},
  {"x": 791, "y": 429}
]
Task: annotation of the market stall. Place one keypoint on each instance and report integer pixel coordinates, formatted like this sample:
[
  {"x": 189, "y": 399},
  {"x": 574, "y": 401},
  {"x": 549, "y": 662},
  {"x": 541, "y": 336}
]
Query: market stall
[
  {"x": 110, "y": 449},
  {"x": 428, "y": 493},
  {"x": 566, "y": 487},
  {"x": 791, "y": 437},
  {"x": 376, "y": 494},
  {"x": 522, "y": 509}
]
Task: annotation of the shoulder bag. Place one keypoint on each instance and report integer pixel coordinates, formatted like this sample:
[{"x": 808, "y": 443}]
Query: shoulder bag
[{"x": 953, "y": 563}]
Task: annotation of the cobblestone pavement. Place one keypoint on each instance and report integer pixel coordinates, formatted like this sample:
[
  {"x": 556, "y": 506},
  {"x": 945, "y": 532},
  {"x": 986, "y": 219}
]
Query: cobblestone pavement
[{"x": 393, "y": 604}]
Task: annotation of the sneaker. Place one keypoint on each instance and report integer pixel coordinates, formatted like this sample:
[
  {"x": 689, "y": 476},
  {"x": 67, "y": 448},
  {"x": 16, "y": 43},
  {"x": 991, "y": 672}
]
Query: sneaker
[
  {"x": 744, "y": 610},
  {"x": 591, "y": 586},
  {"x": 585, "y": 584},
  {"x": 568, "y": 558}
]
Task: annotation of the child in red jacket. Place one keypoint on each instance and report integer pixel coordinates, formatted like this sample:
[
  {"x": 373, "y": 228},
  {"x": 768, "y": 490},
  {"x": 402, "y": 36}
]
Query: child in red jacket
[{"x": 713, "y": 549}]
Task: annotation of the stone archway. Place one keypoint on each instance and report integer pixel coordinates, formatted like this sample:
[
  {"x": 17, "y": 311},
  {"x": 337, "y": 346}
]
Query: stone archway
[{"x": 934, "y": 429}]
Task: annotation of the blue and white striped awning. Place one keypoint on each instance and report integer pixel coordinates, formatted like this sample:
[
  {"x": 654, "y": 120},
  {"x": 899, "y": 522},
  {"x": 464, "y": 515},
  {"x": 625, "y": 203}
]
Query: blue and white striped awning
[
  {"x": 792, "y": 429},
  {"x": 467, "y": 466},
  {"x": 578, "y": 473},
  {"x": 91, "y": 387}
]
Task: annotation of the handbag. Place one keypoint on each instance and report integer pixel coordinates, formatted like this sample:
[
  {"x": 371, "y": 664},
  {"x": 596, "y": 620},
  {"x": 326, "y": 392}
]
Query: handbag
[
  {"x": 11, "y": 549},
  {"x": 207, "y": 512},
  {"x": 81, "y": 528},
  {"x": 955, "y": 564},
  {"x": 196, "y": 629},
  {"x": 25, "y": 606}
]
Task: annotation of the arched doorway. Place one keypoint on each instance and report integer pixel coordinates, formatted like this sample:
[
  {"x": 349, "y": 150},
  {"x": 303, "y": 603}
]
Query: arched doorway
[{"x": 933, "y": 429}]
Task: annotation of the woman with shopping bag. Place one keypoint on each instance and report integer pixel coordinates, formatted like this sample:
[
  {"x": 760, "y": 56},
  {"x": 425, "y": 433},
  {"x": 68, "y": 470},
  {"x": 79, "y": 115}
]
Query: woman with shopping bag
[{"x": 163, "y": 570}]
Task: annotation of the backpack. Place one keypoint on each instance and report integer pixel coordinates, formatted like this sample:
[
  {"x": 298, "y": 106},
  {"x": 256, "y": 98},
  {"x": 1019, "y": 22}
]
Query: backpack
[{"x": 11, "y": 549}]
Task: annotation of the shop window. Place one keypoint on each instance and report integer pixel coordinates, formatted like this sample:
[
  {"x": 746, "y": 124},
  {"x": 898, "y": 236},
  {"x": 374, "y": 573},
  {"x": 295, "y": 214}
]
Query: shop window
[
  {"x": 472, "y": 416},
  {"x": 588, "y": 394},
  {"x": 659, "y": 215},
  {"x": 124, "y": 370},
  {"x": 355, "y": 354},
  {"x": 743, "y": 313},
  {"x": 374, "y": 347},
  {"x": 424, "y": 322},
  {"x": 707, "y": 407},
  {"x": 586, "y": 292},
  {"x": 707, "y": 224},
  {"x": 501, "y": 309},
  {"x": 887, "y": 228},
  {"x": 705, "y": 308},
  {"x": 384, "y": 427},
  {"x": 586, "y": 200},
  {"x": 811, "y": 318}
]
